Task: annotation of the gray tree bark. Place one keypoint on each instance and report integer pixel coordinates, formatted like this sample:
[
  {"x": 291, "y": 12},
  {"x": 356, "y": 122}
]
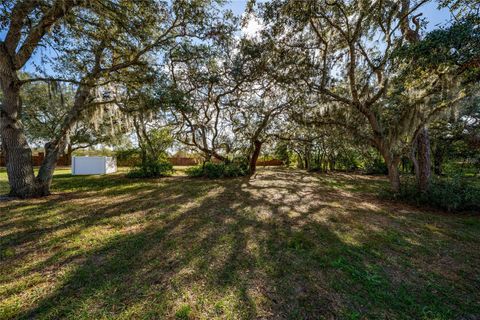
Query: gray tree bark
[
  {"x": 422, "y": 163},
  {"x": 394, "y": 176},
  {"x": 21, "y": 177},
  {"x": 392, "y": 161},
  {"x": 13, "y": 55},
  {"x": 18, "y": 154}
]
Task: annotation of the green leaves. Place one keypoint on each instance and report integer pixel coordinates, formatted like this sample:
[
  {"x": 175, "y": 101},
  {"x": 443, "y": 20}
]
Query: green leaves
[{"x": 457, "y": 45}]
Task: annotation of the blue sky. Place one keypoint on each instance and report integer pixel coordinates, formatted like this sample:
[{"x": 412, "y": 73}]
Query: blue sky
[{"x": 430, "y": 13}]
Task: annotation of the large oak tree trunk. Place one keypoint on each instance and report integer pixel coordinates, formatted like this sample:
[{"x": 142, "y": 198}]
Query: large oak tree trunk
[
  {"x": 13, "y": 55},
  {"x": 394, "y": 176},
  {"x": 18, "y": 154},
  {"x": 392, "y": 163},
  {"x": 424, "y": 164},
  {"x": 257, "y": 147},
  {"x": 45, "y": 175},
  {"x": 421, "y": 161}
]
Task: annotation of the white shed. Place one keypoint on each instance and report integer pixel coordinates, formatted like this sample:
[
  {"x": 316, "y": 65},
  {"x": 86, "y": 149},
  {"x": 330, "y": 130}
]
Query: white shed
[{"x": 93, "y": 165}]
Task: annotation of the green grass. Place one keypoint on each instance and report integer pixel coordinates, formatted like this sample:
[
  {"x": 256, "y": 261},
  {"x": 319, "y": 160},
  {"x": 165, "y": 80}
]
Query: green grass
[{"x": 282, "y": 245}]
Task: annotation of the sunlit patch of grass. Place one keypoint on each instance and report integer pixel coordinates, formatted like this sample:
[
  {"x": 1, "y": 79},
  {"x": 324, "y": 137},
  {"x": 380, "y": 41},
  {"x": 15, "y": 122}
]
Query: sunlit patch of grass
[{"x": 285, "y": 244}]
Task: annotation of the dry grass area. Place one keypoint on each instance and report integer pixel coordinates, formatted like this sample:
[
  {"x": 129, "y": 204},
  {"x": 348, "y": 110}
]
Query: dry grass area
[{"x": 283, "y": 244}]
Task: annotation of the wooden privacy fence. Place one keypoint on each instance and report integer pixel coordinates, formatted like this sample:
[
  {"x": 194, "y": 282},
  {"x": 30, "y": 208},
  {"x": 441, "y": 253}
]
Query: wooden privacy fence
[
  {"x": 185, "y": 161},
  {"x": 66, "y": 160},
  {"x": 180, "y": 161},
  {"x": 37, "y": 160},
  {"x": 175, "y": 161},
  {"x": 271, "y": 162}
]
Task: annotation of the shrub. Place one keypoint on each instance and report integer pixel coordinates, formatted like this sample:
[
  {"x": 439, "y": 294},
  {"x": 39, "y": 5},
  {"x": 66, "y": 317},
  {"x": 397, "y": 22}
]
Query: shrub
[
  {"x": 376, "y": 166},
  {"x": 152, "y": 169},
  {"x": 128, "y": 157},
  {"x": 218, "y": 170},
  {"x": 213, "y": 170},
  {"x": 453, "y": 194},
  {"x": 235, "y": 169},
  {"x": 194, "y": 172}
]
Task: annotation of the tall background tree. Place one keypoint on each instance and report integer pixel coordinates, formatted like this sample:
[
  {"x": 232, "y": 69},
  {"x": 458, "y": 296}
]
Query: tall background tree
[{"x": 344, "y": 53}]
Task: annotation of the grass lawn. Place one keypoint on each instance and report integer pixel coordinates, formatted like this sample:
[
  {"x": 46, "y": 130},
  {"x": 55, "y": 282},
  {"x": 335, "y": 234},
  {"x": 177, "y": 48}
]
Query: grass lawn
[{"x": 281, "y": 245}]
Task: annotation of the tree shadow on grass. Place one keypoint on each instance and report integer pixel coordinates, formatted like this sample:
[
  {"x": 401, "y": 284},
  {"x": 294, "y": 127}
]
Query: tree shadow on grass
[
  {"x": 262, "y": 248},
  {"x": 202, "y": 251}
]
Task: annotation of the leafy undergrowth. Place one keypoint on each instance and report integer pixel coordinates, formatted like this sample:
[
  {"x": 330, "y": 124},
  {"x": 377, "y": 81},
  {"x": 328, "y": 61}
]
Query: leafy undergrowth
[
  {"x": 281, "y": 245},
  {"x": 455, "y": 194}
]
